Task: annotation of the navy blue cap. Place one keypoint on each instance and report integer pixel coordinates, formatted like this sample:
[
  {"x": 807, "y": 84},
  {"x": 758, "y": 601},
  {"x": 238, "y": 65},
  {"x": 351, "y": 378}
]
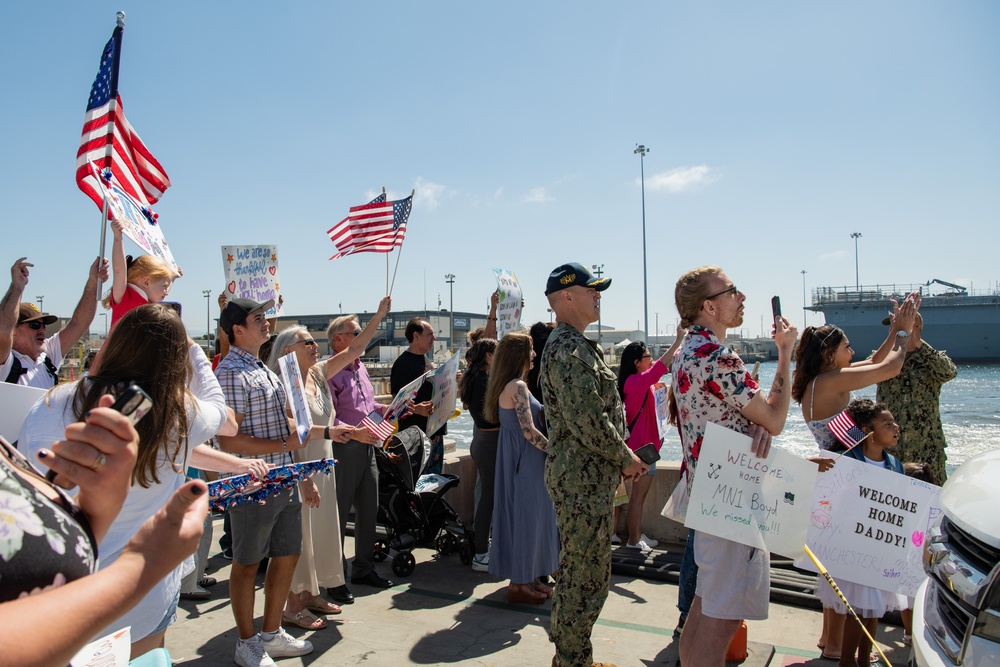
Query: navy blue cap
[{"x": 571, "y": 274}]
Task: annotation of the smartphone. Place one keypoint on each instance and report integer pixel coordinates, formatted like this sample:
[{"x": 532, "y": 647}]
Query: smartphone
[
  {"x": 134, "y": 403},
  {"x": 648, "y": 454},
  {"x": 775, "y": 307},
  {"x": 174, "y": 305}
]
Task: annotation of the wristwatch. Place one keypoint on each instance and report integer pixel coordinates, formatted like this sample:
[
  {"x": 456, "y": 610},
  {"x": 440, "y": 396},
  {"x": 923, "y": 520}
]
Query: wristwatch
[{"x": 902, "y": 334}]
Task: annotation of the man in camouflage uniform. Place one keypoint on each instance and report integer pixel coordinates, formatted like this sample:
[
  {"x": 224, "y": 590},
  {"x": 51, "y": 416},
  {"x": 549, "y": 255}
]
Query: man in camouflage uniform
[
  {"x": 914, "y": 397},
  {"x": 587, "y": 457}
]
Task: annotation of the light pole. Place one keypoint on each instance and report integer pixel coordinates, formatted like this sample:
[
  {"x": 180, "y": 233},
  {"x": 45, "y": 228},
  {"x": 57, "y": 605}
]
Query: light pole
[
  {"x": 105, "y": 316},
  {"x": 641, "y": 151},
  {"x": 450, "y": 279},
  {"x": 657, "y": 337},
  {"x": 598, "y": 271},
  {"x": 857, "y": 275},
  {"x": 804, "y": 325},
  {"x": 39, "y": 300},
  {"x": 207, "y": 293},
  {"x": 550, "y": 315}
]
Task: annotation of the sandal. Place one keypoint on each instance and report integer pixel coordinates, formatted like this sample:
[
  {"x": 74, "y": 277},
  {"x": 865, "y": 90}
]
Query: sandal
[
  {"x": 524, "y": 594},
  {"x": 321, "y": 606},
  {"x": 539, "y": 587},
  {"x": 304, "y": 620},
  {"x": 207, "y": 581}
]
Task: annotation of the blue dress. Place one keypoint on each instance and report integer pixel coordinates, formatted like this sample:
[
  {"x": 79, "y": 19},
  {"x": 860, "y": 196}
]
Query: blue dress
[{"x": 525, "y": 538}]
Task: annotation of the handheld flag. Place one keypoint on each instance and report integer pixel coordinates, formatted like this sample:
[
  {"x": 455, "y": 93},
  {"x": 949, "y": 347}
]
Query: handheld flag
[
  {"x": 378, "y": 426},
  {"x": 378, "y": 226},
  {"x": 110, "y": 141},
  {"x": 845, "y": 430}
]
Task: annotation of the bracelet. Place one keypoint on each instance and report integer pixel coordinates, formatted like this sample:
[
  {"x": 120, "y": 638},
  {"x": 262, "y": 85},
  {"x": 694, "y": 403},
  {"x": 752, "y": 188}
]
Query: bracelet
[
  {"x": 326, "y": 432},
  {"x": 283, "y": 444},
  {"x": 491, "y": 319}
]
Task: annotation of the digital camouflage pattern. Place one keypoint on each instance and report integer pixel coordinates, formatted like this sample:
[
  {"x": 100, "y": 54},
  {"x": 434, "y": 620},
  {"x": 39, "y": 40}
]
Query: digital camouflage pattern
[
  {"x": 914, "y": 397},
  {"x": 586, "y": 456}
]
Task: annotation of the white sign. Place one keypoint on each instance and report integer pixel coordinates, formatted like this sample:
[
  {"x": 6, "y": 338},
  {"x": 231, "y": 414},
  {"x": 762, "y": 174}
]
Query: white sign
[
  {"x": 868, "y": 525},
  {"x": 509, "y": 307},
  {"x": 291, "y": 377},
  {"x": 109, "y": 651},
  {"x": 662, "y": 410},
  {"x": 252, "y": 273},
  {"x": 762, "y": 503},
  {"x": 404, "y": 396},
  {"x": 444, "y": 395}
]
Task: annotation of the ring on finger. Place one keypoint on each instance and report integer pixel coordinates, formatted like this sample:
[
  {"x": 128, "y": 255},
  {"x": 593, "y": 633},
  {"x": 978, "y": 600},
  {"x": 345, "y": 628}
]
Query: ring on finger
[{"x": 98, "y": 462}]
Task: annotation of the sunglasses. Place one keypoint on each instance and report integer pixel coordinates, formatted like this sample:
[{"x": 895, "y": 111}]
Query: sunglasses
[
  {"x": 356, "y": 332},
  {"x": 35, "y": 324},
  {"x": 309, "y": 342},
  {"x": 732, "y": 289}
]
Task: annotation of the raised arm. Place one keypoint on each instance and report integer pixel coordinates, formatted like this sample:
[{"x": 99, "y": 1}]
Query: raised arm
[
  {"x": 902, "y": 319},
  {"x": 678, "y": 339},
  {"x": 339, "y": 361},
  {"x": 863, "y": 375},
  {"x": 86, "y": 309},
  {"x": 9, "y": 305},
  {"x": 770, "y": 413},
  {"x": 221, "y": 335},
  {"x": 490, "y": 330},
  {"x": 119, "y": 266}
]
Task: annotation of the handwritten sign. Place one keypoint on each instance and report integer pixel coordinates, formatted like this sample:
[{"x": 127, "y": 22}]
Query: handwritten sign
[
  {"x": 762, "y": 503},
  {"x": 109, "y": 651},
  {"x": 868, "y": 525},
  {"x": 136, "y": 224},
  {"x": 509, "y": 307},
  {"x": 252, "y": 273},
  {"x": 662, "y": 409},
  {"x": 292, "y": 379},
  {"x": 404, "y": 396},
  {"x": 444, "y": 394}
]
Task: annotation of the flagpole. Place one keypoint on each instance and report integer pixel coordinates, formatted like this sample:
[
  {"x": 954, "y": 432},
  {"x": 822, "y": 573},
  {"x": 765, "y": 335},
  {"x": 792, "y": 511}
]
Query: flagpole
[
  {"x": 386, "y": 257},
  {"x": 400, "y": 252},
  {"x": 110, "y": 136},
  {"x": 104, "y": 232}
]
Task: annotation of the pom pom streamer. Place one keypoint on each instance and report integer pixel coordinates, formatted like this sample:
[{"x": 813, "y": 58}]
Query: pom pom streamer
[{"x": 239, "y": 489}]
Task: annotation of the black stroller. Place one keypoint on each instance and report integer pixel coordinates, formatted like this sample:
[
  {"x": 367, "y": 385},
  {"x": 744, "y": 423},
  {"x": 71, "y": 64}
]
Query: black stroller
[{"x": 412, "y": 508}]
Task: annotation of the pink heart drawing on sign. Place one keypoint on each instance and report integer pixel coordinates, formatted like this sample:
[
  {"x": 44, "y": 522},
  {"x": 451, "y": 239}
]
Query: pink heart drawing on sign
[
  {"x": 231, "y": 287},
  {"x": 273, "y": 270},
  {"x": 917, "y": 538}
]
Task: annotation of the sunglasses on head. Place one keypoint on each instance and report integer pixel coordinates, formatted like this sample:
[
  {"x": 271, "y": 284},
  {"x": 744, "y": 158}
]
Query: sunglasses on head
[{"x": 34, "y": 324}]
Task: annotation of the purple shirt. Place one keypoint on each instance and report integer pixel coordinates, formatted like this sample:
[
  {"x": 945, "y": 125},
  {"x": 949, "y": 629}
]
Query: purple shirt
[{"x": 353, "y": 394}]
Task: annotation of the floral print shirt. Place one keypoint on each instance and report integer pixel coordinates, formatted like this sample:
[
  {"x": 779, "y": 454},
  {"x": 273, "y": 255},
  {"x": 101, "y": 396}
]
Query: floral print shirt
[
  {"x": 710, "y": 384},
  {"x": 42, "y": 544}
]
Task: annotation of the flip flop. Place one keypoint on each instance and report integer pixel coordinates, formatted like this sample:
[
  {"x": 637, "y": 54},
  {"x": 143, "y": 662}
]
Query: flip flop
[
  {"x": 207, "y": 581},
  {"x": 301, "y": 620},
  {"x": 321, "y": 606}
]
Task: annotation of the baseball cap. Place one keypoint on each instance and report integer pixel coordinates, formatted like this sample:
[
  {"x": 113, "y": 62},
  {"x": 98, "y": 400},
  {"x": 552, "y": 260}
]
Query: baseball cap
[
  {"x": 28, "y": 312},
  {"x": 238, "y": 310},
  {"x": 567, "y": 275}
]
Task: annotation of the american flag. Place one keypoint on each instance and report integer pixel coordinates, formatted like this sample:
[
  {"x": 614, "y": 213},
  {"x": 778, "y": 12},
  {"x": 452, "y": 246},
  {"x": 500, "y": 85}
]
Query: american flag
[
  {"x": 110, "y": 141},
  {"x": 378, "y": 226},
  {"x": 844, "y": 428},
  {"x": 378, "y": 426}
]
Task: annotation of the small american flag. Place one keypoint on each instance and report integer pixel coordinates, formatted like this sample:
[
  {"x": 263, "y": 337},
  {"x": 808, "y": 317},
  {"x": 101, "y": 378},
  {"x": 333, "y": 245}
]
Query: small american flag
[
  {"x": 110, "y": 141},
  {"x": 377, "y": 426},
  {"x": 845, "y": 430},
  {"x": 378, "y": 226}
]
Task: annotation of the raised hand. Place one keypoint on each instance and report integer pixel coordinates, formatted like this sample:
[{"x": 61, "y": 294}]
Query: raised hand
[{"x": 19, "y": 273}]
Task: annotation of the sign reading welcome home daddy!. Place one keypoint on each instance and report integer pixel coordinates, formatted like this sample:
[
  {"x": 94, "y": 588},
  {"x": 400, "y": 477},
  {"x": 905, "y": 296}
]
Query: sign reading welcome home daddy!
[
  {"x": 868, "y": 525},
  {"x": 509, "y": 307},
  {"x": 445, "y": 394},
  {"x": 762, "y": 503},
  {"x": 252, "y": 273}
]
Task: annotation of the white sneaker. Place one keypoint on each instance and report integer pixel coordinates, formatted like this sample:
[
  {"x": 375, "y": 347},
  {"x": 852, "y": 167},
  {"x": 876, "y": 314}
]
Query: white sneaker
[
  {"x": 615, "y": 539},
  {"x": 907, "y": 639},
  {"x": 648, "y": 540},
  {"x": 251, "y": 653},
  {"x": 284, "y": 645},
  {"x": 481, "y": 562},
  {"x": 641, "y": 546}
]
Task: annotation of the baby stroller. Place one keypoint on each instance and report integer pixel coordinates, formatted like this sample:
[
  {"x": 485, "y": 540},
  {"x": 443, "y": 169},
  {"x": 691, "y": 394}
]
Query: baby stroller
[{"x": 412, "y": 507}]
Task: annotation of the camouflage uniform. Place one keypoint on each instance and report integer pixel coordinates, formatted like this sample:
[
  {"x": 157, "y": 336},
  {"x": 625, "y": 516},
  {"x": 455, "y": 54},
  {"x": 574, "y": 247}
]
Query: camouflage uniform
[
  {"x": 914, "y": 398},
  {"x": 586, "y": 456}
]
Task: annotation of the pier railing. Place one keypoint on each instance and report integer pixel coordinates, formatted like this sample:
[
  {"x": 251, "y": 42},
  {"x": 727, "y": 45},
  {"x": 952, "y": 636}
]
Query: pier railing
[{"x": 822, "y": 296}]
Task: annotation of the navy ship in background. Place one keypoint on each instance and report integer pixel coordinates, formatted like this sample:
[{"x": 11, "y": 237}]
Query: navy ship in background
[{"x": 963, "y": 322}]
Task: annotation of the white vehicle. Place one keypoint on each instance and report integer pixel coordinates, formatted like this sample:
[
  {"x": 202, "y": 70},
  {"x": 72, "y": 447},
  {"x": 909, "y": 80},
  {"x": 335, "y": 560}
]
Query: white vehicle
[{"x": 956, "y": 615}]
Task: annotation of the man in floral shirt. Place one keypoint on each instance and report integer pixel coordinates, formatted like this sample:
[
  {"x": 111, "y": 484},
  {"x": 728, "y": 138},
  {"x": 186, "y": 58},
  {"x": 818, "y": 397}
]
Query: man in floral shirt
[{"x": 711, "y": 384}]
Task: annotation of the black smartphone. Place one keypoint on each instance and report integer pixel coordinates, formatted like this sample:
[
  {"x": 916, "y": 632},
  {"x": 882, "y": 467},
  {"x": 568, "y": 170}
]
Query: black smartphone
[
  {"x": 134, "y": 403},
  {"x": 775, "y": 307},
  {"x": 648, "y": 454},
  {"x": 174, "y": 305}
]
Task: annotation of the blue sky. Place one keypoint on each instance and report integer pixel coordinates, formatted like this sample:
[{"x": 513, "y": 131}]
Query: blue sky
[{"x": 776, "y": 129}]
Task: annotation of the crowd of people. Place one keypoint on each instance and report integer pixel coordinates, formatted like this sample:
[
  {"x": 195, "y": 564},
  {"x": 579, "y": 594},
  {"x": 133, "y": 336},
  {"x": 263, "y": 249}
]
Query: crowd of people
[{"x": 556, "y": 432}]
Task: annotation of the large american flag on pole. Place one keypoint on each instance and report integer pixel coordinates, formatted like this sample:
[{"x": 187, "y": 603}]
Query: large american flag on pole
[
  {"x": 378, "y": 226},
  {"x": 845, "y": 430},
  {"x": 109, "y": 141}
]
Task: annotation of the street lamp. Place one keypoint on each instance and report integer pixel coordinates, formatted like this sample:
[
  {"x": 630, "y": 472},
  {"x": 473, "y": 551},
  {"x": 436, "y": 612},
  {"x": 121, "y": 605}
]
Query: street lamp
[
  {"x": 641, "y": 151},
  {"x": 39, "y": 300},
  {"x": 857, "y": 278},
  {"x": 804, "y": 299},
  {"x": 207, "y": 293},
  {"x": 105, "y": 316},
  {"x": 598, "y": 271},
  {"x": 550, "y": 315},
  {"x": 450, "y": 279}
]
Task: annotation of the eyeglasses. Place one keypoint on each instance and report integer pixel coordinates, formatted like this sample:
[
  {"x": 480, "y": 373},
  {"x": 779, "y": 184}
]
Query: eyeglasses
[
  {"x": 308, "y": 342},
  {"x": 732, "y": 289},
  {"x": 647, "y": 356},
  {"x": 34, "y": 324}
]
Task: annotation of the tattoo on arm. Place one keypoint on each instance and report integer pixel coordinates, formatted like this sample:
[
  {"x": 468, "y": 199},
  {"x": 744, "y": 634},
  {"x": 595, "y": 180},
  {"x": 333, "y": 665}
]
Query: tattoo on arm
[
  {"x": 522, "y": 407},
  {"x": 778, "y": 384}
]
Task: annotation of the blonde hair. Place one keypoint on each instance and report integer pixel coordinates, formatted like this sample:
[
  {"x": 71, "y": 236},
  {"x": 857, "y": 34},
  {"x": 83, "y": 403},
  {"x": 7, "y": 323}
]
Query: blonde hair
[
  {"x": 143, "y": 266},
  {"x": 691, "y": 291},
  {"x": 336, "y": 325}
]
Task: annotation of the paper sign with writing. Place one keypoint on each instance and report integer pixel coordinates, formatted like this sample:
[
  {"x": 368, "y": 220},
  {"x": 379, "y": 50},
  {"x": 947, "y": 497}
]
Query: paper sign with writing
[
  {"x": 291, "y": 377},
  {"x": 404, "y": 396},
  {"x": 868, "y": 525},
  {"x": 109, "y": 651},
  {"x": 444, "y": 395},
  {"x": 662, "y": 410},
  {"x": 762, "y": 503},
  {"x": 509, "y": 307},
  {"x": 252, "y": 273}
]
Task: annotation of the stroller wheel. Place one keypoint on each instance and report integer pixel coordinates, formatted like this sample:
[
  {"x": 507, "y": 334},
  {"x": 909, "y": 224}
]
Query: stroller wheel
[
  {"x": 465, "y": 553},
  {"x": 446, "y": 544},
  {"x": 403, "y": 564},
  {"x": 381, "y": 551}
]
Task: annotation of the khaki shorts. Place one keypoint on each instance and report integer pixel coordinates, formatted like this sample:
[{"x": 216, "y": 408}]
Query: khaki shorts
[
  {"x": 271, "y": 530},
  {"x": 734, "y": 580}
]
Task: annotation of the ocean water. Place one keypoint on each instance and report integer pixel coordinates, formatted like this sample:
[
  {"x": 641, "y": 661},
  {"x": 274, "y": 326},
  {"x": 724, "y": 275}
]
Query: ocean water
[{"x": 970, "y": 414}]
